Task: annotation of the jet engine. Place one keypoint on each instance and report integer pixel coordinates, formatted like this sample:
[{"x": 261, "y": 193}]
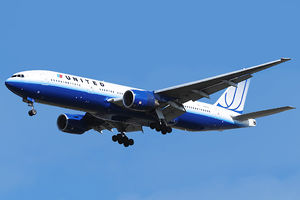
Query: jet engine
[
  {"x": 139, "y": 100},
  {"x": 74, "y": 124}
]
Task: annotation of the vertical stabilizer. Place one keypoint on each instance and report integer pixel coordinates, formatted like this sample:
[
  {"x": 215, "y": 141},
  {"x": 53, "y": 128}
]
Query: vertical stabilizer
[{"x": 234, "y": 97}]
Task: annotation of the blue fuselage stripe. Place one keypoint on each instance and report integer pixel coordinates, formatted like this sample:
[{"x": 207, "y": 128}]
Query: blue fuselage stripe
[{"x": 89, "y": 101}]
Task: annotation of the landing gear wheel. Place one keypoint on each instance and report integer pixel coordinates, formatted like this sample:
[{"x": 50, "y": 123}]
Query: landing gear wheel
[
  {"x": 120, "y": 141},
  {"x": 125, "y": 140},
  {"x": 32, "y": 112},
  {"x": 157, "y": 127},
  {"x": 131, "y": 142},
  {"x": 168, "y": 129},
  {"x": 119, "y": 137},
  {"x": 114, "y": 138},
  {"x": 126, "y": 143},
  {"x": 164, "y": 131},
  {"x": 152, "y": 126}
]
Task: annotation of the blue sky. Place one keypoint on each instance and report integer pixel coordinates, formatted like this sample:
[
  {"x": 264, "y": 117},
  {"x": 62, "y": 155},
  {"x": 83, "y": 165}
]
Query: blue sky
[{"x": 151, "y": 45}]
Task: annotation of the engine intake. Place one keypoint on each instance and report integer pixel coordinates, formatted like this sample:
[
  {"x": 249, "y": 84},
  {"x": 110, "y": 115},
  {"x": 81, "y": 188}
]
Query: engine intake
[
  {"x": 139, "y": 100},
  {"x": 74, "y": 124}
]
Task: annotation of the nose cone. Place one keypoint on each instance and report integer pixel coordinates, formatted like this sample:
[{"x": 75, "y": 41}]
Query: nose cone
[
  {"x": 8, "y": 83},
  {"x": 12, "y": 85}
]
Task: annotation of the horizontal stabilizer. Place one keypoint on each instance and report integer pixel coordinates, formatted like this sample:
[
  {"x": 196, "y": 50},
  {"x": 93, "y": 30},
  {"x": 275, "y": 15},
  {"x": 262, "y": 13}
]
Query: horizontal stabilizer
[{"x": 262, "y": 113}]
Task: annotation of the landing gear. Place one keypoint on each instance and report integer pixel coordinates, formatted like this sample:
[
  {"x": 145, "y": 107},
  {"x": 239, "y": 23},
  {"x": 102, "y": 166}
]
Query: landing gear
[
  {"x": 30, "y": 102},
  {"x": 161, "y": 127},
  {"x": 121, "y": 138}
]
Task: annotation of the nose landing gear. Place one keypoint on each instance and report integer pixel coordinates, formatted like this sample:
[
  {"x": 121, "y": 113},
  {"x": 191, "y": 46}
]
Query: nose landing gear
[{"x": 30, "y": 102}]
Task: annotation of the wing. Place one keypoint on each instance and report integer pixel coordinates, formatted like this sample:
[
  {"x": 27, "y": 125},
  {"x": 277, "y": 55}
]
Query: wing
[
  {"x": 99, "y": 124},
  {"x": 203, "y": 88}
]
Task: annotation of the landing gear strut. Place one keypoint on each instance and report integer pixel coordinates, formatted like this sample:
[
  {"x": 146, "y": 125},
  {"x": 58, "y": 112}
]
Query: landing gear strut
[
  {"x": 30, "y": 102},
  {"x": 121, "y": 138}
]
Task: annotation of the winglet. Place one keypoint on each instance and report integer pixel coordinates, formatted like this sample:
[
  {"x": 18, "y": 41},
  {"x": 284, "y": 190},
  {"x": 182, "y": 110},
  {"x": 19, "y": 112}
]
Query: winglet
[
  {"x": 291, "y": 107},
  {"x": 285, "y": 59}
]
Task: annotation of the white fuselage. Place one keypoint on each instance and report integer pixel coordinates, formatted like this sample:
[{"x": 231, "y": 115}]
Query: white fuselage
[{"x": 91, "y": 96}]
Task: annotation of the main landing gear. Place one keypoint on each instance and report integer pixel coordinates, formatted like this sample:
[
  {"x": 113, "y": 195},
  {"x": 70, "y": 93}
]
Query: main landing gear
[
  {"x": 161, "y": 127},
  {"x": 30, "y": 102},
  {"x": 121, "y": 138}
]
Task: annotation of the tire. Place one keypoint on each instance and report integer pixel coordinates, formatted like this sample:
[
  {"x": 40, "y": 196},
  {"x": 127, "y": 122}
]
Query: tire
[
  {"x": 157, "y": 127},
  {"x": 152, "y": 125},
  {"x": 120, "y": 141},
  {"x": 164, "y": 131},
  {"x": 32, "y": 112},
  {"x": 169, "y": 129},
  {"x": 131, "y": 142},
  {"x": 114, "y": 138},
  {"x": 126, "y": 144},
  {"x": 119, "y": 136}
]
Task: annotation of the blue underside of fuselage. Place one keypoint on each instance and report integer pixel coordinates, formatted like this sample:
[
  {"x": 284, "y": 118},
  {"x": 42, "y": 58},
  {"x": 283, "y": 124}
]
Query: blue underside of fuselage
[{"x": 96, "y": 103}]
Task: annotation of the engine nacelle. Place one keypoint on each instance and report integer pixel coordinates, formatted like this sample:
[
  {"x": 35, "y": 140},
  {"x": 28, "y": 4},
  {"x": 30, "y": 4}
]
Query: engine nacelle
[
  {"x": 139, "y": 100},
  {"x": 74, "y": 124}
]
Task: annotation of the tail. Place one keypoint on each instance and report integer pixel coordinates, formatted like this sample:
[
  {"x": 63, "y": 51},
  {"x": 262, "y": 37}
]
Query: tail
[{"x": 234, "y": 97}]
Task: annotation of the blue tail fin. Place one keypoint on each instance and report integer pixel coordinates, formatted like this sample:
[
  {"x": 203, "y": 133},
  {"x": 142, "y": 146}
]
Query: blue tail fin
[{"x": 234, "y": 97}]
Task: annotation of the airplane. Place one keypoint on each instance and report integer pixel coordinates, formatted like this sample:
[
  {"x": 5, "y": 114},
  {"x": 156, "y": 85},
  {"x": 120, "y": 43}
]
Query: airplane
[{"x": 109, "y": 106}]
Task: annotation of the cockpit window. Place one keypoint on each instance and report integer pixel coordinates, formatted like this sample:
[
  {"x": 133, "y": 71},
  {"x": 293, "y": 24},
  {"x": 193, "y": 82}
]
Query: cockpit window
[{"x": 18, "y": 75}]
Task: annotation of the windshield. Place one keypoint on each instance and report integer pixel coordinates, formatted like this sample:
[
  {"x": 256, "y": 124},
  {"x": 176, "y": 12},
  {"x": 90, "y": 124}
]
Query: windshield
[{"x": 18, "y": 75}]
